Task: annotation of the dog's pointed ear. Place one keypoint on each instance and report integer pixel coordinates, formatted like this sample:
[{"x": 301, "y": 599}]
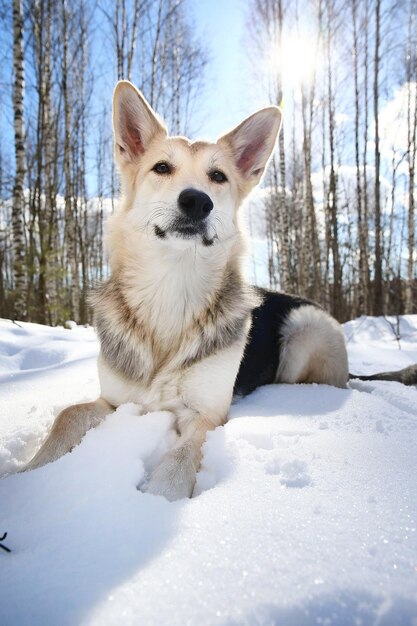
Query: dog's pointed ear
[
  {"x": 252, "y": 142},
  {"x": 135, "y": 124}
]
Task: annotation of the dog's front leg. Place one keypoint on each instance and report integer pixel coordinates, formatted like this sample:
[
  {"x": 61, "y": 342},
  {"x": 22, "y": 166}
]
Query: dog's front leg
[
  {"x": 174, "y": 478},
  {"x": 68, "y": 429},
  {"x": 206, "y": 395}
]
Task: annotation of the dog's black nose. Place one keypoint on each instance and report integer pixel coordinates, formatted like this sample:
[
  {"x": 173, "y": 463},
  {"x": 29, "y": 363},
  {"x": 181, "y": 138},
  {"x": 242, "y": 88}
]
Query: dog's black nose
[{"x": 195, "y": 204}]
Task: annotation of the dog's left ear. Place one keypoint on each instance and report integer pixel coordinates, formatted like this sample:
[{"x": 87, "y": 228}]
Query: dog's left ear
[{"x": 252, "y": 142}]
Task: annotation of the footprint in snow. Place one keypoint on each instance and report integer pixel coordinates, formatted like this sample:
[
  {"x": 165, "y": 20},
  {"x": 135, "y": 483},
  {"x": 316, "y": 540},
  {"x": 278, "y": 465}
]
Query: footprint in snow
[{"x": 291, "y": 474}]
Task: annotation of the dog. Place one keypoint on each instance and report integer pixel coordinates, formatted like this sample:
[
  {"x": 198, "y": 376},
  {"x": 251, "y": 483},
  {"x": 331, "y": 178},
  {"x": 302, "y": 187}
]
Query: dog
[{"x": 179, "y": 328}]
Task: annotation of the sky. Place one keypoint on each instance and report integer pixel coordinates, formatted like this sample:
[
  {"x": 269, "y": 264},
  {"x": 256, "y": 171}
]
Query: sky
[{"x": 228, "y": 96}]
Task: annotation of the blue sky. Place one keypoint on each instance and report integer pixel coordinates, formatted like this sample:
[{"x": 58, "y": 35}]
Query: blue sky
[{"x": 221, "y": 26}]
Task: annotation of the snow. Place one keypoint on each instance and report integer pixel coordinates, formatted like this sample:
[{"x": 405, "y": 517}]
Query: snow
[{"x": 305, "y": 510}]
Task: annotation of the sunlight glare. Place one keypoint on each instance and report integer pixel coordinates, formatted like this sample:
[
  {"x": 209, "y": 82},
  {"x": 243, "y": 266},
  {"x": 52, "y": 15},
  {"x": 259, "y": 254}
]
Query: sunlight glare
[{"x": 299, "y": 59}]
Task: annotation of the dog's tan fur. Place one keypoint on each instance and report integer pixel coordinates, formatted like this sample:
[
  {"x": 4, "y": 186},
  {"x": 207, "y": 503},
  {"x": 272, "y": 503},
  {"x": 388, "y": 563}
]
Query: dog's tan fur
[{"x": 174, "y": 316}]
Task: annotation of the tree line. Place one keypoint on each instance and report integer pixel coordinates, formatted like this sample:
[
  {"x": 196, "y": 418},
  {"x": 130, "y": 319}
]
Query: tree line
[
  {"x": 57, "y": 179},
  {"x": 340, "y": 199}
]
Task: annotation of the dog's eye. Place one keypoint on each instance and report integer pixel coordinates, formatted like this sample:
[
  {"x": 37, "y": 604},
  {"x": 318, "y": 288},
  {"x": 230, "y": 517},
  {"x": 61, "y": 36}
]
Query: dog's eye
[
  {"x": 217, "y": 176},
  {"x": 162, "y": 168}
]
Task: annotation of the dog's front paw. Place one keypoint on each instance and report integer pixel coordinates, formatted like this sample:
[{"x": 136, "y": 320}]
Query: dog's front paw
[
  {"x": 168, "y": 490},
  {"x": 172, "y": 479}
]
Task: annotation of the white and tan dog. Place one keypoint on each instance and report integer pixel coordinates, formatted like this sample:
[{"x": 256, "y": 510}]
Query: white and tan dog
[{"x": 174, "y": 317}]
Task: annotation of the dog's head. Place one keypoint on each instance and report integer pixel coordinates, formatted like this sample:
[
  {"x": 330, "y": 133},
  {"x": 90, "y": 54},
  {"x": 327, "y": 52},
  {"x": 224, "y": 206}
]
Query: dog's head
[{"x": 179, "y": 192}]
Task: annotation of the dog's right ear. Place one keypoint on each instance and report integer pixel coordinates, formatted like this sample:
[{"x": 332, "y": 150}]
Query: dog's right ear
[{"x": 135, "y": 124}]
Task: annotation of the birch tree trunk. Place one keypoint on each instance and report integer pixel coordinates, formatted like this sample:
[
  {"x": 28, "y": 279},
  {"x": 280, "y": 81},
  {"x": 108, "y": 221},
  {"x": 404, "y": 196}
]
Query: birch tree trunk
[
  {"x": 362, "y": 300},
  {"x": 19, "y": 274},
  {"x": 410, "y": 306},
  {"x": 70, "y": 226},
  {"x": 284, "y": 246},
  {"x": 332, "y": 197},
  {"x": 367, "y": 299},
  {"x": 378, "y": 301},
  {"x": 311, "y": 234},
  {"x": 50, "y": 251}
]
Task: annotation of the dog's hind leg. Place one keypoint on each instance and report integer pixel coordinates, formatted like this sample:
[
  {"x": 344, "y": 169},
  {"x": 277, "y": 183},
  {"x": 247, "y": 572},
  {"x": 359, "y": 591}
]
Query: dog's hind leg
[
  {"x": 68, "y": 429},
  {"x": 313, "y": 349}
]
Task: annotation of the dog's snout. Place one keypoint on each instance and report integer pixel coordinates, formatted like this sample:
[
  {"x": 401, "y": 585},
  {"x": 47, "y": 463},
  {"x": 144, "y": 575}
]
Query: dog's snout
[{"x": 195, "y": 204}]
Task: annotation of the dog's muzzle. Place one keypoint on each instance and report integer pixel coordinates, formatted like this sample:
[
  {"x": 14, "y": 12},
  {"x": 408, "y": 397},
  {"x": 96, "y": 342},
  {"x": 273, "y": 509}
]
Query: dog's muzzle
[{"x": 195, "y": 206}]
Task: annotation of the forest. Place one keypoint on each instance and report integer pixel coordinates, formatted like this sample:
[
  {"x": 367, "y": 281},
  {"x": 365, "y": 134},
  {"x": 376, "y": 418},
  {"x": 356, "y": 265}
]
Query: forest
[{"x": 338, "y": 201}]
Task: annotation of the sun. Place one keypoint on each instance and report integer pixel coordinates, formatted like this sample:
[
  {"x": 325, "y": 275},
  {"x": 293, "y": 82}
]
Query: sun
[{"x": 298, "y": 58}]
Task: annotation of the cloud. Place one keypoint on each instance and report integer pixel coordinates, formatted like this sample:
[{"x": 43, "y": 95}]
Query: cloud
[{"x": 393, "y": 120}]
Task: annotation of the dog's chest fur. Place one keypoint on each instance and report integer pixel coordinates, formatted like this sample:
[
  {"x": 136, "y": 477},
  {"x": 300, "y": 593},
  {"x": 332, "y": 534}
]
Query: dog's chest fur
[{"x": 151, "y": 343}]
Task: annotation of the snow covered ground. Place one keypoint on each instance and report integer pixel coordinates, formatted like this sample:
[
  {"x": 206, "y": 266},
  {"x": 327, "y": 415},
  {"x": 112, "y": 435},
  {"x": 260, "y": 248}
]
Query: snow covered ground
[{"x": 306, "y": 512}]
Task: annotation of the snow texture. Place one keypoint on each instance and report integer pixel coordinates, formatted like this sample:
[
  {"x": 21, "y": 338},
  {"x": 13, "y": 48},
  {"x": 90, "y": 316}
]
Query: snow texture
[{"x": 305, "y": 508}]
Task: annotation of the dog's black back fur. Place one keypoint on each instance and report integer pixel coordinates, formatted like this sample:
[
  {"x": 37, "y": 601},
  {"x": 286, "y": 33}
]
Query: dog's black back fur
[
  {"x": 263, "y": 348},
  {"x": 262, "y": 352}
]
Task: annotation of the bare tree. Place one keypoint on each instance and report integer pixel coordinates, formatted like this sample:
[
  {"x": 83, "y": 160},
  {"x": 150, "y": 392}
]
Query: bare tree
[
  {"x": 378, "y": 294},
  {"x": 332, "y": 195},
  {"x": 70, "y": 224},
  {"x": 365, "y": 151},
  {"x": 125, "y": 26},
  {"x": 20, "y": 310},
  {"x": 411, "y": 77},
  {"x": 362, "y": 226}
]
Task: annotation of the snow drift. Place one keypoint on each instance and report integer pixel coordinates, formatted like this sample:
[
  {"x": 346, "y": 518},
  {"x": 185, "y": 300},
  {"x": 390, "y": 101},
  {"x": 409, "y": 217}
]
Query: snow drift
[{"x": 305, "y": 507}]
